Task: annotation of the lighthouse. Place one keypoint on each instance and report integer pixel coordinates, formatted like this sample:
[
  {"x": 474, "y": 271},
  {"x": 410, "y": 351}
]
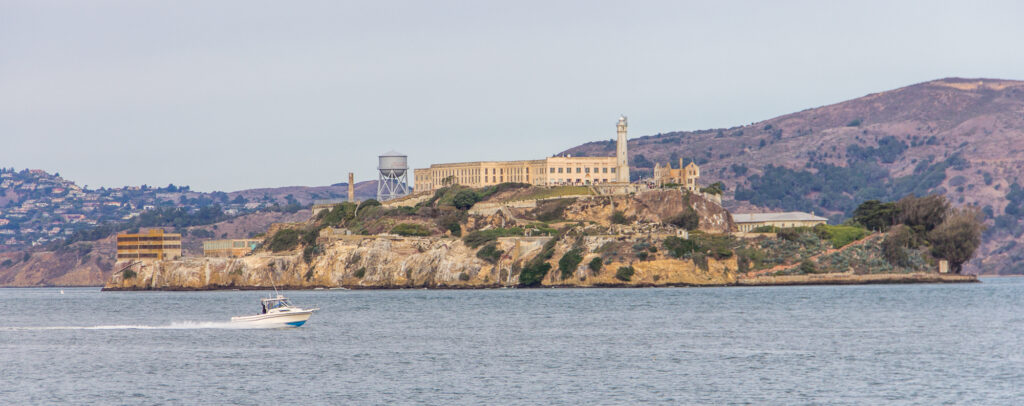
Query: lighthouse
[{"x": 621, "y": 154}]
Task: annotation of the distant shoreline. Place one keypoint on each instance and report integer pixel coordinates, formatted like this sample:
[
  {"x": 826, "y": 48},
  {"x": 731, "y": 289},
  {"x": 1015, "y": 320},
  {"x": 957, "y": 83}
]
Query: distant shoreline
[{"x": 784, "y": 280}]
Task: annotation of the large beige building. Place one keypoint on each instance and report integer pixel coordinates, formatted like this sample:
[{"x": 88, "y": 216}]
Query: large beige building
[{"x": 559, "y": 170}]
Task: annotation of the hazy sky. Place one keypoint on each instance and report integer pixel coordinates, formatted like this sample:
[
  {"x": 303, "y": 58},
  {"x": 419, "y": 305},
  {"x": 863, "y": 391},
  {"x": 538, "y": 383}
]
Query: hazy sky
[{"x": 226, "y": 95}]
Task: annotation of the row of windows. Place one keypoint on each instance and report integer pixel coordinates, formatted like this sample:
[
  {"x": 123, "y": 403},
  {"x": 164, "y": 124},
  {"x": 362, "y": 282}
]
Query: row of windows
[
  {"x": 119, "y": 256},
  {"x": 130, "y": 247},
  {"x": 581, "y": 170},
  {"x": 161, "y": 238}
]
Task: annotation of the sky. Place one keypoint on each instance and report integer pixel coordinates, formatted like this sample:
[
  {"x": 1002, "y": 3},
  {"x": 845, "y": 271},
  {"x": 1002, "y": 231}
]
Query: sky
[{"x": 230, "y": 95}]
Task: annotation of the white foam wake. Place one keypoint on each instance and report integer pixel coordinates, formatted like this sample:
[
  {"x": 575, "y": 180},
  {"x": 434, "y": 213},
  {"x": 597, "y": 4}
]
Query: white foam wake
[{"x": 182, "y": 325}]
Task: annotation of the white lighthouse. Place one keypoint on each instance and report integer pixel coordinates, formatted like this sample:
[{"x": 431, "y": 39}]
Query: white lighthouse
[{"x": 621, "y": 154}]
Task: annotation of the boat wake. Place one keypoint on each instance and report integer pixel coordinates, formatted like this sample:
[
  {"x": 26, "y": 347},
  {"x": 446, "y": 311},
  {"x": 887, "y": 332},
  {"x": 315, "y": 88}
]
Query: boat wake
[{"x": 183, "y": 325}]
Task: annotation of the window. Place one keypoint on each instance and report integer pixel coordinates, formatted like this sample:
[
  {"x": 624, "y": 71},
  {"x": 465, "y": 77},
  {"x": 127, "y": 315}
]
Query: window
[
  {"x": 587, "y": 170},
  {"x": 559, "y": 170},
  {"x": 577, "y": 170},
  {"x": 552, "y": 170},
  {"x": 605, "y": 170},
  {"x": 613, "y": 170}
]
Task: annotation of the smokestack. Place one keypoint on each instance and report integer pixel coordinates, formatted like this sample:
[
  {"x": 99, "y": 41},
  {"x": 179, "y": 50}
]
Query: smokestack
[{"x": 351, "y": 187}]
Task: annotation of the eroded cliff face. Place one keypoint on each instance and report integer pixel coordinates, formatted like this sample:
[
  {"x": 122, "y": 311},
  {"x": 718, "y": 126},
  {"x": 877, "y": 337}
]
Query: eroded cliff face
[
  {"x": 409, "y": 262},
  {"x": 652, "y": 207}
]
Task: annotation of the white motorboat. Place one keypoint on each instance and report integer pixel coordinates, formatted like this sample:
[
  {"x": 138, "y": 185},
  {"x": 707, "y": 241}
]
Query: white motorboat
[{"x": 277, "y": 312}]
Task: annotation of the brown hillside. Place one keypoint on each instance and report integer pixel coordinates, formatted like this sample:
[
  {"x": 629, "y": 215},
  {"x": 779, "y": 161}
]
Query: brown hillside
[{"x": 982, "y": 120}]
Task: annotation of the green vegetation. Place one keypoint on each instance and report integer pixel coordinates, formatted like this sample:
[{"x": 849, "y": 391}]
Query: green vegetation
[
  {"x": 7, "y": 262},
  {"x": 557, "y": 191},
  {"x": 714, "y": 189},
  {"x": 410, "y": 230},
  {"x": 595, "y": 265},
  {"x": 128, "y": 274},
  {"x": 618, "y": 217},
  {"x": 360, "y": 273},
  {"x": 463, "y": 276},
  {"x": 840, "y": 235},
  {"x": 688, "y": 219},
  {"x": 569, "y": 261},
  {"x": 533, "y": 273},
  {"x": 678, "y": 247},
  {"x": 481, "y": 237},
  {"x": 490, "y": 253},
  {"x": 625, "y": 273},
  {"x": 808, "y": 266},
  {"x": 284, "y": 240}
]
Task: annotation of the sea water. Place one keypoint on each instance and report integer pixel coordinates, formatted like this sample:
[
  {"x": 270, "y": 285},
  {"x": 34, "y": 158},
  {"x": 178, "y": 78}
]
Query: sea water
[{"x": 874, "y": 344}]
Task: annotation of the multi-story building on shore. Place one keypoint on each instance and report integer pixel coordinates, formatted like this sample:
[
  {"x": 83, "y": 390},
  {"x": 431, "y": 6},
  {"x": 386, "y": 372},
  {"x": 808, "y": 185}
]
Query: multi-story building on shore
[
  {"x": 152, "y": 245},
  {"x": 552, "y": 171}
]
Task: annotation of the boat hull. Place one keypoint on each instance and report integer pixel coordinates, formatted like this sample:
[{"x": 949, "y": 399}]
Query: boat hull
[{"x": 274, "y": 320}]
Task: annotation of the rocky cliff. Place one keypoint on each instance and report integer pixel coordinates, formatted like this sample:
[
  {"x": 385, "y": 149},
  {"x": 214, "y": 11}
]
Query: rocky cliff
[{"x": 427, "y": 262}]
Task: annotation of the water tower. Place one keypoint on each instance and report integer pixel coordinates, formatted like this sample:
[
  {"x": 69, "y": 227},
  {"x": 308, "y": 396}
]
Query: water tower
[{"x": 394, "y": 176}]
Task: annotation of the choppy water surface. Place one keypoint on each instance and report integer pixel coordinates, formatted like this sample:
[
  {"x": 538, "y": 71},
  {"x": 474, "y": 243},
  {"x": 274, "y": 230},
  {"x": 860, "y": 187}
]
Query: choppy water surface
[{"x": 917, "y": 344}]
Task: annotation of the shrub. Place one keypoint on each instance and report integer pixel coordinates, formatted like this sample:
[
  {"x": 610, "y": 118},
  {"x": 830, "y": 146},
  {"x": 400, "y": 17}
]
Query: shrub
[
  {"x": 552, "y": 210},
  {"x": 789, "y": 234},
  {"x": 678, "y": 247},
  {"x": 625, "y": 273},
  {"x": 360, "y": 273},
  {"x": 465, "y": 199},
  {"x": 765, "y": 229},
  {"x": 570, "y": 260},
  {"x": 128, "y": 274},
  {"x": 688, "y": 219},
  {"x": 922, "y": 214},
  {"x": 618, "y": 217},
  {"x": 284, "y": 240},
  {"x": 368, "y": 203},
  {"x": 311, "y": 251},
  {"x": 895, "y": 242},
  {"x": 490, "y": 253},
  {"x": 701, "y": 261},
  {"x": 463, "y": 276},
  {"x": 309, "y": 274},
  {"x": 595, "y": 265},
  {"x": 534, "y": 272},
  {"x": 808, "y": 266},
  {"x": 7, "y": 263},
  {"x": 642, "y": 255},
  {"x": 410, "y": 229},
  {"x": 481, "y": 237}
]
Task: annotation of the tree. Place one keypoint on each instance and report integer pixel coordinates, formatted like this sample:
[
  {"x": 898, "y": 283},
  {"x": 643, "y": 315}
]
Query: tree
[
  {"x": 958, "y": 237},
  {"x": 464, "y": 199},
  {"x": 923, "y": 214},
  {"x": 875, "y": 215}
]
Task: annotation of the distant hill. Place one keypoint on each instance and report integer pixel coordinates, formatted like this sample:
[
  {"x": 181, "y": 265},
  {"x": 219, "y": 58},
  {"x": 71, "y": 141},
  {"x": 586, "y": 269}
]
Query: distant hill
[{"x": 963, "y": 138}]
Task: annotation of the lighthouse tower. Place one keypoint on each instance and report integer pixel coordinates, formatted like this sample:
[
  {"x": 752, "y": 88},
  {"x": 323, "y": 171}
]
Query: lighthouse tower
[{"x": 621, "y": 155}]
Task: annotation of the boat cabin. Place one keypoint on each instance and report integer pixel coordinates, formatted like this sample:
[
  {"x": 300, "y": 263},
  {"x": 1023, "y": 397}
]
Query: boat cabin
[{"x": 275, "y": 303}]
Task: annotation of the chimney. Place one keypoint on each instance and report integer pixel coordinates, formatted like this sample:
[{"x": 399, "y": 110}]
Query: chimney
[{"x": 351, "y": 187}]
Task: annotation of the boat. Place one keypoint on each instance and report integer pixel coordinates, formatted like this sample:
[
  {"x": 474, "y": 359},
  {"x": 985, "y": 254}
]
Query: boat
[{"x": 277, "y": 312}]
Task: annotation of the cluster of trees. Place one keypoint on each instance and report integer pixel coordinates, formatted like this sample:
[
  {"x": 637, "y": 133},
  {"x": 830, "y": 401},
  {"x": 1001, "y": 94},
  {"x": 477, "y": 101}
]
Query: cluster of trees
[{"x": 953, "y": 234}]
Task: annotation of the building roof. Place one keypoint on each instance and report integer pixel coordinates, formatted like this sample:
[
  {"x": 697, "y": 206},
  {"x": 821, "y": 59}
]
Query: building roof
[{"x": 787, "y": 216}]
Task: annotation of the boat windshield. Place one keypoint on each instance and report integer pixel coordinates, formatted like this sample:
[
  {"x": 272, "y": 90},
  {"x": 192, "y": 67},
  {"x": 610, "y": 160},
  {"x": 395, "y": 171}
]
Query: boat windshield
[{"x": 275, "y": 303}]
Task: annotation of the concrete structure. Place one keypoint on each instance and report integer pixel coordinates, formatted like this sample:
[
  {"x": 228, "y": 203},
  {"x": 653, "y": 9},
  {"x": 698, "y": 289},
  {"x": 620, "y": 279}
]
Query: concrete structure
[
  {"x": 394, "y": 179},
  {"x": 230, "y": 248},
  {"x": 351, "y": 187},
  {"x": 686, "y": 175},
  {"x": 553, "y": 171},
  {"x": 747, "y": 222},
  {"x": 153, "y": 245},
  {"x": 621, "y": 151}
]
